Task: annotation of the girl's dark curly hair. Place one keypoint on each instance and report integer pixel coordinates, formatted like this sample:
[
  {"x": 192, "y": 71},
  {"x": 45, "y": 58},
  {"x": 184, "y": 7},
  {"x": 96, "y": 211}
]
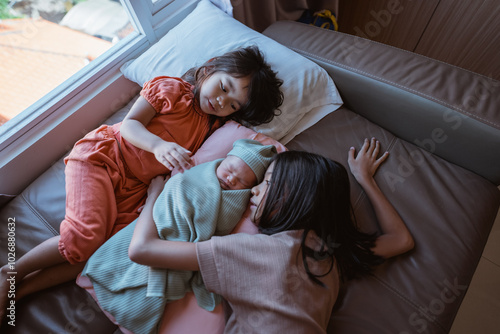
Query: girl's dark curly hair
[{"x": 264, "y": 94}]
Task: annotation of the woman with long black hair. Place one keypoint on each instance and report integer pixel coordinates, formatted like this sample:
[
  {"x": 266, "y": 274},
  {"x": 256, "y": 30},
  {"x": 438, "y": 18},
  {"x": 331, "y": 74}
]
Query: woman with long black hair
[{"x": 286, "y": 279}]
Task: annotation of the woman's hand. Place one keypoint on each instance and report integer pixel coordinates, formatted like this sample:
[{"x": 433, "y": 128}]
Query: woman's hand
[
  {"x": 365, "y": 164},
  {"x": 156, "y": 186},
  {"x": 395, "y": 238},
  {"x": 148, "y": 249},
  {"x": 172, "y": 155}
]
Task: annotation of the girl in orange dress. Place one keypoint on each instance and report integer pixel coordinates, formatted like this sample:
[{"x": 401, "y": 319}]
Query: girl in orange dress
[{"x": 108, "y": 171}]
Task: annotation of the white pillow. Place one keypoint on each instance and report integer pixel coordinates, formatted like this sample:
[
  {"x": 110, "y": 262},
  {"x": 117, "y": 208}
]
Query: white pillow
[{"x": 208, "y": 32}]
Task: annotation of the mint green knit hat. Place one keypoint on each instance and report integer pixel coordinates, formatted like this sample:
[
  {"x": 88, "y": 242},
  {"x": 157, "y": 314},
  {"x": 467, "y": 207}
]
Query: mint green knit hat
[{"x": 256, "y": 155}]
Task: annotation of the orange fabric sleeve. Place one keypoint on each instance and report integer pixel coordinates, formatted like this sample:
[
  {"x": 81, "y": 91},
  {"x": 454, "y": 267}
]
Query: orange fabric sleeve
[{"x": 167, "y": 93}]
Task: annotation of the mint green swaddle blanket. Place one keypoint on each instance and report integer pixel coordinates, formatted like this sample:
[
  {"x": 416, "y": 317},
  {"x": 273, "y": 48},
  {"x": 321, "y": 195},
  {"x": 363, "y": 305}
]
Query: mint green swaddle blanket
[{"x": 192, "y": 207}]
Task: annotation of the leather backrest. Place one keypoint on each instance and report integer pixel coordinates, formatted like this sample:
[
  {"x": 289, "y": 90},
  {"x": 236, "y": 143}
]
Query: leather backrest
[{"x": 446, "y": 110}]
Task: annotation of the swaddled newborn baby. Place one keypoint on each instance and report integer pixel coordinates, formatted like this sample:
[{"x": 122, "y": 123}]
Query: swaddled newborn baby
[
  {"x": 244, "y": 165},
  {"x": 206, "y": 200}
]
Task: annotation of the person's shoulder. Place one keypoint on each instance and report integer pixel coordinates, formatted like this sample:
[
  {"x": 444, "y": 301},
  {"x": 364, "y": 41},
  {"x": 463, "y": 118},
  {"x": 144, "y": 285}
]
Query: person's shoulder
[
  {"x": 168, "y": 83},
  {"x": 286, "y": 239},
  {"x": 167, "y": 94}
]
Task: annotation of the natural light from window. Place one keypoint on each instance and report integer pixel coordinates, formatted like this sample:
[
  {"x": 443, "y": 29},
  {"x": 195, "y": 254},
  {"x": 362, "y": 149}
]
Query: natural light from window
[{"x": 43, "y": 43}]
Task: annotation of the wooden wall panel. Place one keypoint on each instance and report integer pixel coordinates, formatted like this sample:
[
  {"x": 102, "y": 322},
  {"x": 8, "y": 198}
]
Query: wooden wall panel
[
  {"x": 399, "y": 23},
  {"x": 466, "y": 34}
]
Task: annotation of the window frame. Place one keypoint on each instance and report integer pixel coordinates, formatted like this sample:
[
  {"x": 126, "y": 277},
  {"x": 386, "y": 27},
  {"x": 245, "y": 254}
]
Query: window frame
[
  {"x": 151, "y": 20},
  {"x": 50, "y": 106},
  {"x": 158, "y": 5}
]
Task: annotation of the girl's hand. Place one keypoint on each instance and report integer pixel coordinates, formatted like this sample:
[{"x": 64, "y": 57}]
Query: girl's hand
[
  {"x": 365, "y": 164},
  {"x": 134, "y": 130},
  {"x": 172, "y": 155}
]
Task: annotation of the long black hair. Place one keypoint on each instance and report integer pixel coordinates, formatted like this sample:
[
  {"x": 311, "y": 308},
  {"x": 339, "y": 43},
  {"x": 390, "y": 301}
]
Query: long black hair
[
  {"x": 310, "y": 192},
  {"x": 264, "y": 94}
]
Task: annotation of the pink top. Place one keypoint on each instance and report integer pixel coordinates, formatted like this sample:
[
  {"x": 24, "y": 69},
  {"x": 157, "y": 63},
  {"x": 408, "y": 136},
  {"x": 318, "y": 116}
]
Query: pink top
[{"x": 264, "y": 281}]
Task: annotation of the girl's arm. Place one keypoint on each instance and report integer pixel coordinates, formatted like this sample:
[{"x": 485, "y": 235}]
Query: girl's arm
[
  {"x": 148, "y": 249},
  {"x": 134, "y": 130},
  {"x": 396, "y": 239}
]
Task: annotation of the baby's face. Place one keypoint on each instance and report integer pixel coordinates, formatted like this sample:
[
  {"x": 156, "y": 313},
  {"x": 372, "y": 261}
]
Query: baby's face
[{"x": 233, "y": 174}]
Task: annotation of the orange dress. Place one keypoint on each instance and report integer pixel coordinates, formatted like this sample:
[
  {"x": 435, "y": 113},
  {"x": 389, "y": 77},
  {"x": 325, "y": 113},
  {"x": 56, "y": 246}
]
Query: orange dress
[{"x": 107, "y": 177}]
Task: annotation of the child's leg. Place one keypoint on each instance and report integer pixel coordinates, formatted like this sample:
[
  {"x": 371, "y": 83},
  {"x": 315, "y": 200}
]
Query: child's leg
[
  {"x": 90, "y": 214},
  {"x": 42, "y": 256},
  {"x": 48, "y": 277},
  {"x": 99, "y": 202},
  {"x": 91, "y": 210}
]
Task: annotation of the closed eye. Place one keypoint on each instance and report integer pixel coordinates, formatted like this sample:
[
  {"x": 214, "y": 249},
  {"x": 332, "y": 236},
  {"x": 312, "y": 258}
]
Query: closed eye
[{"x": 222, "y": 87}]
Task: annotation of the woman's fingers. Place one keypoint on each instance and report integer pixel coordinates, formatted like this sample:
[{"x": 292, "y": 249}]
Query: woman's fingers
[
  {"x": 371, "y": 148},
  {"x": 383, "y": 157},
  {"x": 368, "y": 154},
  {"x": 375, "y": 148},
  {"x": 365, "y": 147},
  {"x": 351, "y": 154}
]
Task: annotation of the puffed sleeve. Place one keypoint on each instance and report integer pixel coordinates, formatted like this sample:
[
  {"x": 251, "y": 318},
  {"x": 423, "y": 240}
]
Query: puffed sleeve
[{"x": 166, "y": 94}]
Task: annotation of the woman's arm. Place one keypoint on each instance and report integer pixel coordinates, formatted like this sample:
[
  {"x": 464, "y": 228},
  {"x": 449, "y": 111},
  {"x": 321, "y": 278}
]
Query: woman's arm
[
  {"x": 134, "y": 130},
  {"x": 148, "y": 249},
  {"x": 396, "y": 239}
]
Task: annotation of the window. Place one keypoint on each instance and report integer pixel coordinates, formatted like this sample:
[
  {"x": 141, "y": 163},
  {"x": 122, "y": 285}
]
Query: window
[
  {"x": 46, "y": 125},
  {"x": 43, "y": 45}
]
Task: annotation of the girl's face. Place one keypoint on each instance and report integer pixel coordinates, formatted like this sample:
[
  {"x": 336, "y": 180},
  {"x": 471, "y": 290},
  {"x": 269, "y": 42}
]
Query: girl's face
[
  {"x": 259, "y": 194},
  {"x": 222, "y": 94},
  {"x": 233, "y": 174}
]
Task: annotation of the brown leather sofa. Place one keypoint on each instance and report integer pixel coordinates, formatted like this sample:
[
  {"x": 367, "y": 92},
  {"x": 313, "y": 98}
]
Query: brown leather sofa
[{"x": 441, "y": 125}]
